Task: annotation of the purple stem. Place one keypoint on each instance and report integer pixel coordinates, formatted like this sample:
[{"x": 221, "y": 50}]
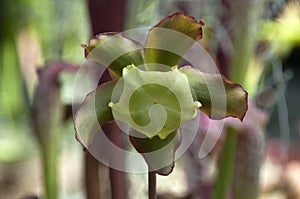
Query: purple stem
[
  {"x": 92, "y": 184},
  {"x": 151, "y": 185}
]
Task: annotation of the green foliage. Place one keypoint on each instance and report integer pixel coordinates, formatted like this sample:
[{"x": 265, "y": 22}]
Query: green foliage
[
  {"x": 60, "y": 25},
  {"x": 14, "y": 15},
  {"x": 14, "y": 142}
]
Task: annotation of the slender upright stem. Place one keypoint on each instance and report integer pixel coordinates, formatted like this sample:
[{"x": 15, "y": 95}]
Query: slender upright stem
[
  {"x": 49, "y": 157},
  {"x": 117, "y": 178},
  {"x": 152, "y": 185},
  {"x": 92, "y": 183},
  {"x": 225, "y": 175},
  {"x": 118, "y": 184}
]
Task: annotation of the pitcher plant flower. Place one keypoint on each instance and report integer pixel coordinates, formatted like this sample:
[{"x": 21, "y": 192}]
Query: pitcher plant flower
[{"x": 150, "y": 93}]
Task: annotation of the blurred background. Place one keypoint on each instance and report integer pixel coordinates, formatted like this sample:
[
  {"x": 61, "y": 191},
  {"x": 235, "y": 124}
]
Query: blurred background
[{"x": 40, "y": 52}]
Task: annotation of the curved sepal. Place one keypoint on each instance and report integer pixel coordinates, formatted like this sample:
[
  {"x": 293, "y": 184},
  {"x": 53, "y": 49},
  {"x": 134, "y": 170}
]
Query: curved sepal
[
  {"x": 115, "y": 51},
  {"x": 93, "y": 113},
  {"x": 169, "y": 40},
  {"x": 158, "y": 153},
  {"x": 230, "y": 99}
]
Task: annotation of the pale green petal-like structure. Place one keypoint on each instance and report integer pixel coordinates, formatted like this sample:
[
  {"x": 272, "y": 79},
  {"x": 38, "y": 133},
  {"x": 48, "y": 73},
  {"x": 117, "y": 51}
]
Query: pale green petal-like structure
[{"x": 154, "y": 103}]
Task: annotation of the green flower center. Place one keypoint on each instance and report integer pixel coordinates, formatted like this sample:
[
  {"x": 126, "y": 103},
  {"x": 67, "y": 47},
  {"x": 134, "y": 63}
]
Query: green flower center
[
  {"x": 148, "y": 96},
  {"x": 154, "y": 103}
]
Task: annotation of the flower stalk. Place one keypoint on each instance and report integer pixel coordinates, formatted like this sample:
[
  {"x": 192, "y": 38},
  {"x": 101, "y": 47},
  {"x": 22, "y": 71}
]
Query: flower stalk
[{"x": 151, "y": 185}]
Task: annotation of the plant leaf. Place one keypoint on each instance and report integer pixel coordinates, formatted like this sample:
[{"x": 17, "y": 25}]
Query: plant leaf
[
  {"x": 219, "y": 97},
  {"x": 162, "y": 162},
  {"x": 114, "y": 51},
  {"x": 93, "y": 113},
  {"x": 169, "y": 40}
]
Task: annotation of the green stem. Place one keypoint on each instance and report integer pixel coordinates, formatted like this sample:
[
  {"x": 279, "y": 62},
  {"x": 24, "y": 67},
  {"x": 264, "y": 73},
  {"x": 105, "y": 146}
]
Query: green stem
[
  {"x": 49, "y": 162},
  {"x": 152, "y": 185},
  {"x": 245, "y": 15},
  {"x": 226, "y": 168}
]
